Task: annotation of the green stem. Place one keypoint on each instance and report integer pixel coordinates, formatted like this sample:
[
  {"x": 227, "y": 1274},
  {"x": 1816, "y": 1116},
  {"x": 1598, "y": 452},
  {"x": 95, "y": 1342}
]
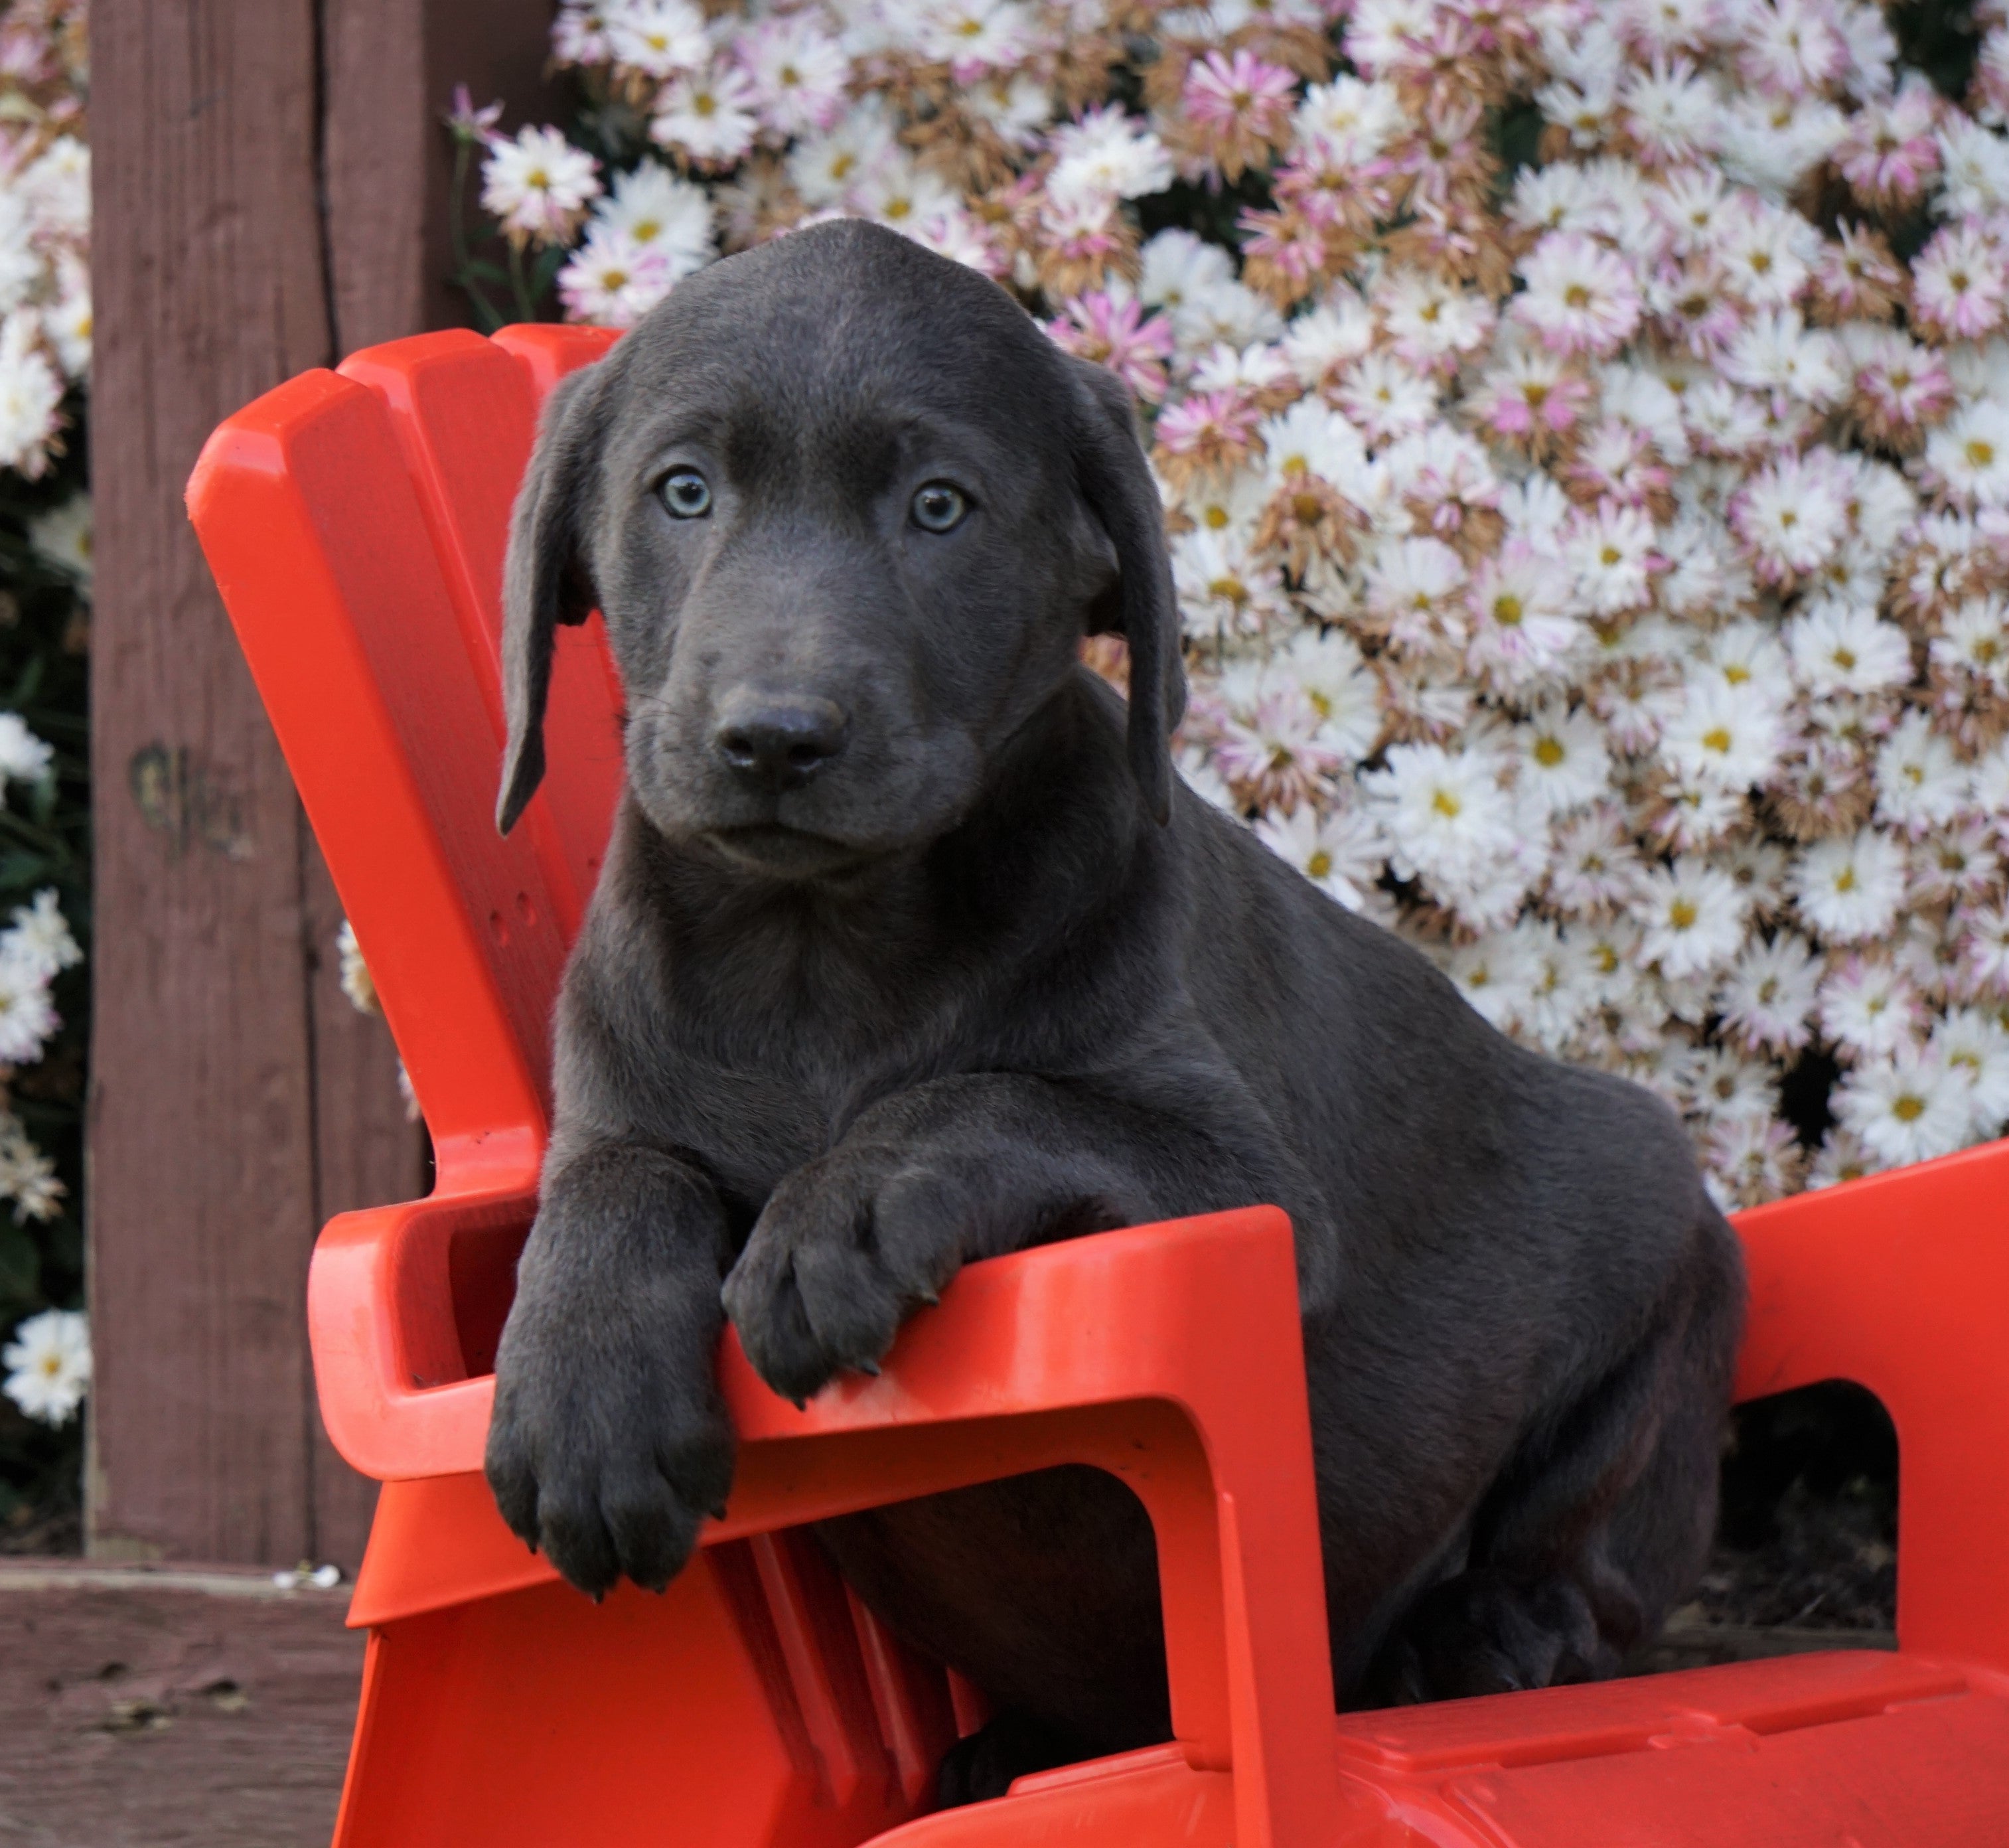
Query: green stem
[
  {"x": 485, "y": 311},
  {"x": 527, "y": 309}
]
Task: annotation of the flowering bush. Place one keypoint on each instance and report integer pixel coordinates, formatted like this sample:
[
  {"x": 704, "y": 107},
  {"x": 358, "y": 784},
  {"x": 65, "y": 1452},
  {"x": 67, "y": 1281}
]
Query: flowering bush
[
  {"x": 44, "y": 587},
  {"x": 1584, "y": 432}
]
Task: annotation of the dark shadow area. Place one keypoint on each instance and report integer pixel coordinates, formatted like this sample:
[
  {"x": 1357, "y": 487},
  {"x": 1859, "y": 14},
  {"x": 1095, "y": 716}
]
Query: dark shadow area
[
  {"x": 1808, "y": 1532},
  {"x": 1806, "y": 1548}
]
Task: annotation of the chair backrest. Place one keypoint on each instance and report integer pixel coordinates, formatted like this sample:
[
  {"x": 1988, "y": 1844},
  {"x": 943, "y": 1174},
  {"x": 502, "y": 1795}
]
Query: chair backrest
[{"x": 357, "y": 522}]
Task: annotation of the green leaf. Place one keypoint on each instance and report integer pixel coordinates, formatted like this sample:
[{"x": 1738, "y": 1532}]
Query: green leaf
[{"x": 20, "y": 1263}]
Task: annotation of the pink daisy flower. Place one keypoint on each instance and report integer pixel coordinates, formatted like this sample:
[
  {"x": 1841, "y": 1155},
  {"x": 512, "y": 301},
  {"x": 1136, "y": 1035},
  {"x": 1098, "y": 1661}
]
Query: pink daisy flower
[
  {"x": 1532, "y": 398},
  {"x": 1580, "y": 297},
  {"x": 1116, "y": 332},
  {"x": 1891, "y": 153},
  {"x": 1958, "y": 288},
  {"x": 1238, "y": 107}
]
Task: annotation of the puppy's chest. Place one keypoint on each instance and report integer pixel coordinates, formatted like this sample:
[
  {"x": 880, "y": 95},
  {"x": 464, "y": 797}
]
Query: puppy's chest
[{"x": 759, "y": 1096}]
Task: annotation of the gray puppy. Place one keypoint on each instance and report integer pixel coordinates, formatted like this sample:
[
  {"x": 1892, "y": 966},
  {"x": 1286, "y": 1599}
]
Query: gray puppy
[{"x": 911, "y": 949}]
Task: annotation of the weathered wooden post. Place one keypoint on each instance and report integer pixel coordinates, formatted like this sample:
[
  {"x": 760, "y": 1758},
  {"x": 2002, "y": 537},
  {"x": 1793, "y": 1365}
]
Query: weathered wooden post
[{"x": 270, "y": 193}]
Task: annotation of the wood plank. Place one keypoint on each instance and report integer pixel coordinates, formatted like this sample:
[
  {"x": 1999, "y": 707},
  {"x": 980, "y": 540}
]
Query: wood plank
[
  {"x": 149, "y": 1710},
  {"x": 210, "y": 289},
  {"x": 391, "y": 66},
  {"x": 270, "y": 192}
]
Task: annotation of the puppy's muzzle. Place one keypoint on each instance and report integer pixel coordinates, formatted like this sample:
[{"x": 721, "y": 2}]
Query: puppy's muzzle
[{"x": 779, "y": 743}]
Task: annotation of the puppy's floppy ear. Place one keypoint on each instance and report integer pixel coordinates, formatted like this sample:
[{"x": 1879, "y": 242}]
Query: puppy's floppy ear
[
  {"x": 544, "y": 579},
  {"x": 1116, "y": 482}
]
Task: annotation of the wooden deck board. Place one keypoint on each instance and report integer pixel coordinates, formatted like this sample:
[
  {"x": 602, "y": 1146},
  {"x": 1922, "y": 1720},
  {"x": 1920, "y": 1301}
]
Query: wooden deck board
[{"x": 148, "y": 1709}]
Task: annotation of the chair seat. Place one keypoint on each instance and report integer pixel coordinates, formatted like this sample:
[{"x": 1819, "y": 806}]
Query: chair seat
[{"x": 1842, "y": 1749}]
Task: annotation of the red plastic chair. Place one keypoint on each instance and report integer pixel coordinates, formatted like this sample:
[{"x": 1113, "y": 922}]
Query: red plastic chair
[{"x": 355, "y": 524}]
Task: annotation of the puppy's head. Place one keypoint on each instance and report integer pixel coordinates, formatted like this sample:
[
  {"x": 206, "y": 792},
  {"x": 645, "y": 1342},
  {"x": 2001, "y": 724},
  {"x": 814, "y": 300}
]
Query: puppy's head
[{"x": 847, "y": 513}]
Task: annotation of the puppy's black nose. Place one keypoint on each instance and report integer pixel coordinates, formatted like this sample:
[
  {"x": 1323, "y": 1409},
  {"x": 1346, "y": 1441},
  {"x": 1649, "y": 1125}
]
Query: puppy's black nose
[{"x": 784, "y": 742}]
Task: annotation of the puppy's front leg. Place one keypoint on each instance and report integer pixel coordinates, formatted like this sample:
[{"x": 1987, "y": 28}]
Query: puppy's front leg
[
  {"x": 609, "y": 1443},
  {"x": 936, "y": 1177}
]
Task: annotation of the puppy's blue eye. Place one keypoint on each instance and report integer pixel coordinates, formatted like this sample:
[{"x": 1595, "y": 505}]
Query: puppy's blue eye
[
  {"x": 939, "y": 507},
  {"x": 686, "y": 493}
]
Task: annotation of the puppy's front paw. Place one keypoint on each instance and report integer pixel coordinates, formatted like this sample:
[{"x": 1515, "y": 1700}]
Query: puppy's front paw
[
  {"x": 602, "y": 1454},
  {"x": 847, "y": 1247}
]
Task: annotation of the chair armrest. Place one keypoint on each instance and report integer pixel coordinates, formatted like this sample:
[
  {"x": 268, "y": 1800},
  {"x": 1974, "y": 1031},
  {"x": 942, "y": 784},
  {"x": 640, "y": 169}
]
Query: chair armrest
[
  {"x": 404, "y": 1306},
  {"x": 1900, "y": 1282},
  {"x": 1169, "y": 1355}
]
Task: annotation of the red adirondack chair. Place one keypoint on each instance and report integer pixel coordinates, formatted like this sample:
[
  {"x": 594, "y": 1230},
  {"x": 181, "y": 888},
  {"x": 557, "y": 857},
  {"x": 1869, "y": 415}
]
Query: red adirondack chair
[{"x": 355, "y": 521}]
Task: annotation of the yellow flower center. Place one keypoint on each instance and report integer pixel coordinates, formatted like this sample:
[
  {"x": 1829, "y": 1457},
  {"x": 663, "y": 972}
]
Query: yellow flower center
[
  {"x": 1446, "y": 803},
  {"x": 1576, "y": 296},
  {"x": 1682, "y": 913},
  {"x": 1846, "y": 881},
  {"x": 1908, "y": 1108},
  {"x": 1549, "y": 752},
  {"x": 1215, "y": 518},
  {"x": 1980, "y": 452},
  {"x": 1717, "y": 740},
  {"x": 1319, "y": 864},
  {"x": 1506, "y": 610}
]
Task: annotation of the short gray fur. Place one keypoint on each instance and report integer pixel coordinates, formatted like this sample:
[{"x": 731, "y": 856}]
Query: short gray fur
[{"x": 911, "y": 948}]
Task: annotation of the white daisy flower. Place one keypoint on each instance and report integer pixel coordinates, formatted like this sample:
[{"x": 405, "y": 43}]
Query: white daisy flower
[
  {"x": 1595, "y": 870},
  {"x": 1849, "y": 889},
  {"x": 1869, "y": 1008},
  {"x": 659, "y": 38},
  {"x": 1839, "y": 649},
  {"x": 1908, "y": 1108},
  {"x": 39, "y": 938},
  {"x": 1560, "y": 757},
  {"x": 1721, "y": 731},
  {"x": 1611, "y": 552},
  {"x": 1920, "y": 783},
  {"x": 538, "y": 185},
  {"x": 48, "y": 1365},
  {"x": 1767, "y": 996},
  {"x": 1342, "y": 853},
  {"x": 1337, "y": 682},
  {"x": 1496, "y": 975},
  {"x": 24, "y": 758},
  {"x": 1691, "y": 916}
]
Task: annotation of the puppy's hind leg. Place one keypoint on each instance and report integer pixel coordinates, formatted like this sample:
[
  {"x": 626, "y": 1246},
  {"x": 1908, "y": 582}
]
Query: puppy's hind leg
[{"x": 1600, "y": 1522}]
